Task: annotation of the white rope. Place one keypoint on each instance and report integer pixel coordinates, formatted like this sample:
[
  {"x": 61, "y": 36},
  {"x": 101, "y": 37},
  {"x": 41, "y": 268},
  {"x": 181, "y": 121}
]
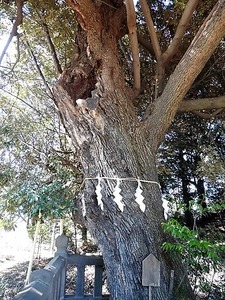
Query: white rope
[
  {"x": 125, "y": 179},
  {"x": 139, "y": 198}
]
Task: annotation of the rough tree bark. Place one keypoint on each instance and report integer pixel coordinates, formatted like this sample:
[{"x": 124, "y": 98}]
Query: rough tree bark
[{"x": 98, "y": 112}]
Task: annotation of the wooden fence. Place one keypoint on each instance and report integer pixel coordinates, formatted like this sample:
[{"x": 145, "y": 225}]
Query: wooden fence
[{"x": 50, "y": 283}]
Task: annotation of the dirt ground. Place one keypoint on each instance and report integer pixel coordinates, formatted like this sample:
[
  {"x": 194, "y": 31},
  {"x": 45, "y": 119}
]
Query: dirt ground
[{"x": 12, "y": 279}]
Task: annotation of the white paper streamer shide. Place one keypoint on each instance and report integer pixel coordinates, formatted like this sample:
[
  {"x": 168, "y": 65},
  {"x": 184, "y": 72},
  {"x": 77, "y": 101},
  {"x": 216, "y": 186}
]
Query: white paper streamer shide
[
  {"x": 117, "y": 197},
  {"x": 83, "y": 206},
  {"x": 139, "y": 198},
  {"x": 98, "y": 193}
]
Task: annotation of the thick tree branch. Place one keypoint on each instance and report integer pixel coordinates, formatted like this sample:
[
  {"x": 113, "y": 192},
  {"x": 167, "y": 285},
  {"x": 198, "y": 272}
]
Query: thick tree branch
[
  {"x": 102, "y": 40},
  {"x": 84, "y": 9},
  {"x": 208, "y": 116},
  {"x": 163, "y": 59},
  {"x": 18, "y": 21},
  {"x": 193, "y": 61},
  {"x": 202, "y": 104},
  {"x": 202, "y": 115},
  {"x": 151, "y": 29},
  {"x": 160, "y": 69},
  {"x": 146, "y": 44},
  {"x": 131, "y": 23},
  {"x": 182, "y": 26},
  {"x": 50, "y": 43}
]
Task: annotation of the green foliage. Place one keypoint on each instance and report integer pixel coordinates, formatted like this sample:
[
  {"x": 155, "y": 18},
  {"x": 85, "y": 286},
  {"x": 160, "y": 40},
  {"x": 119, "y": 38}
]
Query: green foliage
[
  {"x": 190, "y": 246},
  {"x": 200, "y": 255},
  {"x": 44, "y": 232},
  {"x": 7, "y": 224},
  {"x": 53, "y": 195},
  {"x": 191, "y": 164},
  {"x": 38, "y": 169},
  {"x": 50, "y": 228}
]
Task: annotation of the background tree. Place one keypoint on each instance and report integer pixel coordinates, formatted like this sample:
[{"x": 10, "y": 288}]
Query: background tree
[
  {"x": 184, "y": 163},
  {"x": 117, "y": 135},
  {"x": 36, "y": 176}
]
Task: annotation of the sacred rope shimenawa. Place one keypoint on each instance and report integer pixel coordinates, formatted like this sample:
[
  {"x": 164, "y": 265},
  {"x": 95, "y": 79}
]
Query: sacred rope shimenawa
[{"x": 117, "y": 196}]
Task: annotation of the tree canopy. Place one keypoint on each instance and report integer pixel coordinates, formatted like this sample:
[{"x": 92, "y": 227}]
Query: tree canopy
[{"x": 37, "y": 162}]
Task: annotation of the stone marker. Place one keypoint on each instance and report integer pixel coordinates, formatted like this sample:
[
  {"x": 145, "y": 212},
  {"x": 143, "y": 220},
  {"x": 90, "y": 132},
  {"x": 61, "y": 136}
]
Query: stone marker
[{"x": 150, "y": 272}]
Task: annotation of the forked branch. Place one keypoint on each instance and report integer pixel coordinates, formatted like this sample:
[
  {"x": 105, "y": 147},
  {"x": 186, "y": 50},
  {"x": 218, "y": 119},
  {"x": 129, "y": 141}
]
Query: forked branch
[
  {"x": 164, "y": 58},
  {"x": 202, "y": 47},
  {"x": 207, "y": 116},
  {"x": 181, "y": 28}
]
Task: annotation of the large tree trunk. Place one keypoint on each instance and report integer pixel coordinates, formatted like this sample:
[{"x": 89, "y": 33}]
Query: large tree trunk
[
  {"x": 97, "y": 109},
  {"x": 106, "y": 130},
  {"x": 117, "y": 149}
]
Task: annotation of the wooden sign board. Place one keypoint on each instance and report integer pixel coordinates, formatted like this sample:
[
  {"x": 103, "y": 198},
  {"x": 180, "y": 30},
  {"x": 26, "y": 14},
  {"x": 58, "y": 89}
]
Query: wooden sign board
[{"x": 151, "y": 271}]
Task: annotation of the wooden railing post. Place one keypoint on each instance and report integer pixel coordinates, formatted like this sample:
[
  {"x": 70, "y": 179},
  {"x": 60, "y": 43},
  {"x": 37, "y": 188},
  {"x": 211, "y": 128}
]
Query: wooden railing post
[
  {"x": 45, "y": 284},
  {"x": 49, "y": 283},
  {"x": 61, "y": 246},
  {"x": 80, "y": 261}
]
